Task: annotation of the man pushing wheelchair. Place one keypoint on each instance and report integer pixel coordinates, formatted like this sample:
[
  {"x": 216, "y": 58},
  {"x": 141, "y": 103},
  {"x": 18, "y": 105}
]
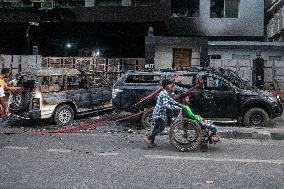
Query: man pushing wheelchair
[{"x": 164, "y": 102}]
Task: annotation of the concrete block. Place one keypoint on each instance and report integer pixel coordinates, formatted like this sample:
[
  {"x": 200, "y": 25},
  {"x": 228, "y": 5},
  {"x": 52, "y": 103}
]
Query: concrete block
[
  {"x": 216, "y": 63},
  {"x": 268, "y": 75},
  {"x": 280, "y": 71},
  {"x": 7, "y": 61},
  {"x": 231, "y": 63},
  {"x": 280, "y": 79},
  {"x": 1, "y": 60},
  {"x": 16, "y": 61},
  {"x": 195, "y": 62},
  {"x": 126, "y": 2},
  {"x": 245, "y": 63},
  {"x": 89, "y": 3},
  {"x": 195, "y": 55},
  {"x": 30, "y": 61},
  {"x": 246, "y": 73},
  {"x": 14, "y": 72},
  {"x": 268, "y": 64},
  {"x": 279, "y": 64}
]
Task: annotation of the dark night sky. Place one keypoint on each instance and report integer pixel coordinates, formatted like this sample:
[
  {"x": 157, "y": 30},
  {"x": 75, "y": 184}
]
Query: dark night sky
[{"x": 112, "y": 39}]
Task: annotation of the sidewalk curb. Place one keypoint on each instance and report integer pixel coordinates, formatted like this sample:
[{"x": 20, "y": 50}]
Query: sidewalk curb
[{"x": 252, "y": 134}]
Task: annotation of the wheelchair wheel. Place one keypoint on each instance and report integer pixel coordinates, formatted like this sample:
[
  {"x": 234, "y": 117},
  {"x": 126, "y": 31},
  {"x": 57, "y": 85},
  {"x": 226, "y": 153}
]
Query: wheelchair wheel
[{"x": 185, "y": 135}]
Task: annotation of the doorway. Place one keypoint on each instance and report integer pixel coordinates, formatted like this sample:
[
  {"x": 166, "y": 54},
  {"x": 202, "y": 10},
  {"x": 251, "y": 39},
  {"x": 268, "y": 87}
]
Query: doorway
[{"x": 182, "y": 57}]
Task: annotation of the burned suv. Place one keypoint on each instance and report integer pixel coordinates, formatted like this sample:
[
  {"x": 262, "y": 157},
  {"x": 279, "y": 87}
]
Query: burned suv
[
  {"x": 223, "y": 94},
  {"x": 60, "y": 93}
]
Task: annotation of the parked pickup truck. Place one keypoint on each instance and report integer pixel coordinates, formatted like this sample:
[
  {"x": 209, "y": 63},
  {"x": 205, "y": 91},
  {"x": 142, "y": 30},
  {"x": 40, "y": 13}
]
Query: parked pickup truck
[
  {"x": 60, "y": 93},
  {"x": 223, "y": 95}
]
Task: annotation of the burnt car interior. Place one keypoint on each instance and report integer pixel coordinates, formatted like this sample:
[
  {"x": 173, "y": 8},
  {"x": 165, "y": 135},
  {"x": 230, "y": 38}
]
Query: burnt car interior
[
  {"x": 72, "y": 82},
  {"x": 214, "y": 83},
  {"x": 52, "y": 84},
  {"x": 185, "y": 81},
  {"x": 143, "y": 79}
]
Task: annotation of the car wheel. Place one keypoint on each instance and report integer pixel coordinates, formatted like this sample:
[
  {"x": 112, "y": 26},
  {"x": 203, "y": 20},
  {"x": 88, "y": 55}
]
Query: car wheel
[
  {"x": 64, "y": 115},
  {"x": 147, "y": 120},
  {"x": 255, "y": 117}
]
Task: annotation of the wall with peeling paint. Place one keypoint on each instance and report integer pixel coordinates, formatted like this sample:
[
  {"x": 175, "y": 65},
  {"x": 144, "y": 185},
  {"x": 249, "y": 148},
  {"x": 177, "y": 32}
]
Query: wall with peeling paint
[
  {"x": 249, "y": 23},
  {"x": 18, "y": 63}
]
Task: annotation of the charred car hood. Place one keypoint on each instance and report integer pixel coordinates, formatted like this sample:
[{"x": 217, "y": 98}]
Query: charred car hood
[{"x": 264, "y": 94}]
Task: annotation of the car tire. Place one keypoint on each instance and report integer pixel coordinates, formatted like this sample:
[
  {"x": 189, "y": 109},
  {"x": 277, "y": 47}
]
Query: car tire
[
  {"x": 147, "y": 120},
  {"x": 255, "y": 117},
  {"x": 63, "y": 115}
]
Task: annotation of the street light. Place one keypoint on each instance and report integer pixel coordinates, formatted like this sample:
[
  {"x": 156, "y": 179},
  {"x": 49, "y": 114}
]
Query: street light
[
  {"x": 98, "y": 53},
  {"x": 68, "y": 45}
]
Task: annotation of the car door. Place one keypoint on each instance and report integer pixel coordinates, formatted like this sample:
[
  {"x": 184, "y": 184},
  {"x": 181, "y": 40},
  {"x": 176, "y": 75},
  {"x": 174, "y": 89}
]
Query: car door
[
  {"x": 138, "y": 86},
  {"x": 219, "y": 99},
  {"x": 100, "y": 95},
  {"x": 77, "y": 92}
]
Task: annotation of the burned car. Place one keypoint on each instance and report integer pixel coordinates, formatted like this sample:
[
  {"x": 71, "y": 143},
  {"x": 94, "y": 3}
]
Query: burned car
[
  {"x": 59, "y": 94},
  {"x": 222, "y": 95}
]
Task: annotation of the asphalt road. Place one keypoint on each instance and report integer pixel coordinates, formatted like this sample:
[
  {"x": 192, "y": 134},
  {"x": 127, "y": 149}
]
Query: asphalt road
[{"x": 113, "y": 159}]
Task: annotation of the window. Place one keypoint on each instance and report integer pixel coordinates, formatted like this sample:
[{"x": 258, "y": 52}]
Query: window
[
  {"x": 224, "y": 9},
  {"x": 185, "y": 8},
  {"x": 143, "y": 79},
  {"x": 77, "y": 82},
  {"x": 51, "y": 84},
  {"x": 185, "y": 81},
  {"x": 240, "y": 57},
  {"x": 213, "y": 83}
]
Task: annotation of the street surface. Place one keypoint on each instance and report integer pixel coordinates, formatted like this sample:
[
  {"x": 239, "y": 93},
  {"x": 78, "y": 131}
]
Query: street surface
[{"x": 117, "y": 158}]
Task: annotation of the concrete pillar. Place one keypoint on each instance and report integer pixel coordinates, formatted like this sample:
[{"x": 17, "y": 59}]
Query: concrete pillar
[
  {"x": 204, "y": 59},
  {"x": 149, "y": 50},
  {"x": 90, "y": 3},
  {"x": 126, "y": 2}
]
